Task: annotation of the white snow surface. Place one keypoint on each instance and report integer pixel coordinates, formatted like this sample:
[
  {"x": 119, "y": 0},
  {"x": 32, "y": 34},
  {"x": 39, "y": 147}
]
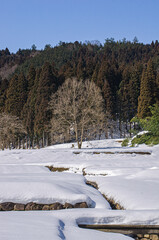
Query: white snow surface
[
  {"x": 130, "y": 179},
  {"x": 56, "y": 225},
  {"x": 23, "y": 184}
]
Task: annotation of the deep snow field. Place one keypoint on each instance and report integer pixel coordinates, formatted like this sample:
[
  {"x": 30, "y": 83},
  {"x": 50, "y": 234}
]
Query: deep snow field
[{"x": 131, "y": 179}]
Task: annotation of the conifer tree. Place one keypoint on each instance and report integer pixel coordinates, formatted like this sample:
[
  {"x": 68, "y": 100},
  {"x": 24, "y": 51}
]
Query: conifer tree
[
  {"x": 95, "y": 73},
  {"x": 81, "y": 73},
  {"x": 12, "y": 98},
  {"x": 147, "y": 96},
  {"x": 46, "y": 86},
  {"x": 124, "y": 96},
  {"x": 90, "y": 65},
  {"x": 31, "y": 77},
  {"x": 28, "y": 113},
  {"x": 134, "y": 88},
  {"x": 108, "y": 96},
  {"x": 21, "y": 92},
  {"x": 3, "y": 89},
  {"x": 66, "y": 70},
  {"x": 108, "y": 77},
  {"x": 157, "y": 88},
  {"x": 16, "y": 95}
]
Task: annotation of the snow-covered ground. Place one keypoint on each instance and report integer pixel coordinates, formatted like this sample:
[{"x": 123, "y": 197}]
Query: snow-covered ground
[{"x": 130, "y": 179}]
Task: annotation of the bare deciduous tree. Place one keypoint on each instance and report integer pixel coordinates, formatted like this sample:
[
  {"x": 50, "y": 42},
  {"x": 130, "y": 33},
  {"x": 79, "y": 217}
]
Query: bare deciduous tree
[
  {"x": 77, "y": 107},
  {"x": 11, "y": 128}
]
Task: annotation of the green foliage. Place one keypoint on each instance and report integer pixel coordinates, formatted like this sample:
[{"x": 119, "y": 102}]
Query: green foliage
[
  {"x": 28, "y": 113},
  {"x": 134, "y": 88},
  {"x": 16, "y": 95},
  {"x": 33, "y": 47},
  {"x": 125, "y": 142},
  {"x": 152, "y": 123},
  {"x": 3, "y": 90},
  {"x": 138, "y": 122},
  {"x": 146, "y": 138},
  {"x": 31, "y": 77},
  {"x": 147, "y": 90},
  {"x": 125, "y": 72},
  {"x": 46, "y": 86}
]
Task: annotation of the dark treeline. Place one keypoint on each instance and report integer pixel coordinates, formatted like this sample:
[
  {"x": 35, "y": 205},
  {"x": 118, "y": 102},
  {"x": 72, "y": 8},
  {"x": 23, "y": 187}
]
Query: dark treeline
[{"x": 127, "y": 73}]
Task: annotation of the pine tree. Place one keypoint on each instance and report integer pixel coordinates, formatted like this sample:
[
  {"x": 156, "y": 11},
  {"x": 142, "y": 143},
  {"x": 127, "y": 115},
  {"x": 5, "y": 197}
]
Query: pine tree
[
  {"x": 3, "y": 90},
  {"x": 46, "y": 86},
  {"x": 124, "y": 96},
  {"x": 157, "y": 88},
  {"x": 81, "y": 69},
  {"x": 108, "y": 81},
  {"x": 16, "y": 95},
  {"x": 12, "y": 98},
  {"x": 21, "y": 92},
  {"x": 28, "y": 113},
  {"x": 31, "y": 77},
  {"x": 95, "y": 73},
  {"x": 134, "y": 88},
  {"x": 108, "y": 96},
  {"x": 147, "y": 96}
]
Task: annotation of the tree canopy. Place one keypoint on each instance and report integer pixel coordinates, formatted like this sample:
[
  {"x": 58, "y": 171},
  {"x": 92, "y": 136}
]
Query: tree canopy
[
  {"x": 127, "y": 74},
  {"x": 77, "y": 108}
]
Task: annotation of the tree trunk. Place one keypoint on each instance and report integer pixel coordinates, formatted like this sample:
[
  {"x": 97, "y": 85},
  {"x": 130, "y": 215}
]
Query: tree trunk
[
  {"x": 111, "y": 132},
  {"x": 81, "y": 137},
  {"x": 79, "y": 144},
  {"x": 43, "y": 140},
  {"x": 38, "y": 146},
  {"x": 19, "y": 143},
  {"x": 47, "y": 140},
  {"x": 29, "y": 143},
  {"x": 106, "y": 134},
  {"x": 23, "y": 143},
  {"x": 130, "y": 129},
  {"x": 9, "y": 146},
  {"x": 77, "y": 140},
  {"x": 120, "y": 128},
  {"x": 33, "y": 143},
  {"x": 26, "y": 142}
]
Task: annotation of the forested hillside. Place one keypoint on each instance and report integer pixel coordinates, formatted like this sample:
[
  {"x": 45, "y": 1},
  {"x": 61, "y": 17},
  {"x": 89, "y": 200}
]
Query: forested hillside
[{"x": 126, "y": 72}]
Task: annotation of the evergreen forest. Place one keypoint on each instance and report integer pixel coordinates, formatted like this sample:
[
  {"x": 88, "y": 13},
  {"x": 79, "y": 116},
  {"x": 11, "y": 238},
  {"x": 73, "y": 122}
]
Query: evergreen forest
[{"x": 126, "y": 72}]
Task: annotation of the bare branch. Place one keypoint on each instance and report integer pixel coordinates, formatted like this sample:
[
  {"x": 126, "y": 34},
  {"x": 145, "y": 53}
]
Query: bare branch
[{"x": 77, "y": 106}]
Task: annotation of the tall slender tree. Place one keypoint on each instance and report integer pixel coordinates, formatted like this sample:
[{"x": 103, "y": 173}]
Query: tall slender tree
[
  {"x": 3, "y": 90},
  {"x": 134, "y": 88},
  {"x": 31, "y": 77},
  {"x": 147, "y": 96},
  {"x": 28, "y": 113},
  {"x": 47, "y": 85},
  {"x": 12, "y": 98},
  {"x": 16, "y": 95}
]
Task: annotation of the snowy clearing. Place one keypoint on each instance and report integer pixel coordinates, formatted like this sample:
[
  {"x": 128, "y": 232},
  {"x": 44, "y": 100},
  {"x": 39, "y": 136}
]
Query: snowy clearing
[{"x": 130, "y": 179}]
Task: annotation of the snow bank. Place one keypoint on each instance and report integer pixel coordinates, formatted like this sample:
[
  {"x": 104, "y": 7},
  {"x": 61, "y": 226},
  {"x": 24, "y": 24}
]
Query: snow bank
[{"x": 23, "y": 184}]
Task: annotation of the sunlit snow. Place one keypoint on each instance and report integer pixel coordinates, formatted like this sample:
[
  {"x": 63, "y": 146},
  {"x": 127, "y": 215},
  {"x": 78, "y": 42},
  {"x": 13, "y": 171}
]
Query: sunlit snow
[{"x": 130, "y": 179}]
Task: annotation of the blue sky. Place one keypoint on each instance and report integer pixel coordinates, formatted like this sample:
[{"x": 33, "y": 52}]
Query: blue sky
[{"x": 40, "y": 22}]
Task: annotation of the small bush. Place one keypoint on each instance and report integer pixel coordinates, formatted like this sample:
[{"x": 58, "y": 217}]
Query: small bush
[{"x": 125, "y": 142}]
